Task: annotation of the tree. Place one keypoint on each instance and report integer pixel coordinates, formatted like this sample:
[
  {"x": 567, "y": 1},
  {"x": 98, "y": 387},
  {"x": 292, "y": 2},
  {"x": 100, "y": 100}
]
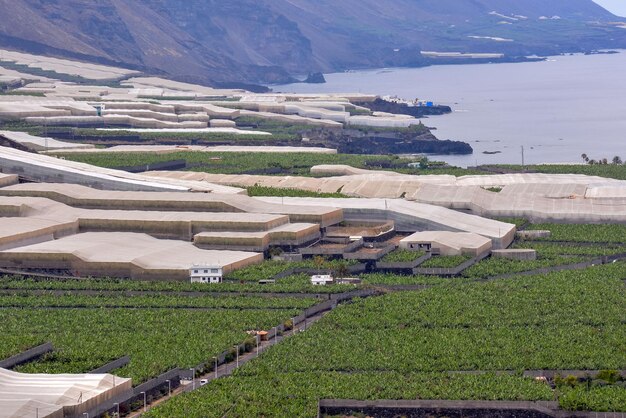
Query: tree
[
  {"x": 342, "y": 271},
  {"x": 585, "y": 157},
  {"x": 617, "y": 160},
  {"x": 319, "y": 261},
  {"x": 275, "y": 251},
  {"x": 424, "y": 163}
]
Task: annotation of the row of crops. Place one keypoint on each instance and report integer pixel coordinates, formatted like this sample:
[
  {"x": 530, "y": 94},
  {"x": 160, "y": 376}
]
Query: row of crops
[
  {"x": 157, "y": 332},
  {"x": 603, "y": 233},
  {"x": 603, "y": 170},
  {"x": 280, "y": 192},
  {"x": 402, "y": 256},
  {"x": 445, "y": 261},
  {"x": 270, "y": 268},
  {"x": 260, "y": 163},
  {"x": 409, "y": 345},
  {"x": 295, "y": 395},
  {"x": 26, "y": 299},
  {"x": 294, "y": 284}
]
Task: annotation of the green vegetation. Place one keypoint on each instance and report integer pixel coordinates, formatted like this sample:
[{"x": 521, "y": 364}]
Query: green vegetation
[
  {"x": 604, "y": 233},
  {"x": 390, "y": 279},
  {"x": 606, "y": 391},
  {"x": 245, "y": 162},
  {"x": 405, "y": 345},
  {"x": 402, "y": 256},
  {"x": 269, "y": 269},
  {"x": 279, "y": 192},
  {"x": 291, "y": 129},
  {"x": 87, "y": 331},
  {"x": 442, "y": 261},
  {"x": 188, "y": 137},
  {"x": 295, "y": 395},
  {"x": 554, "y": 249},
  {"x": 597, "y": 398},
  {"x": 603, "y": 170},
  {"x": 496, "y": 266},
  {"x": 493, "y": 189},
  {"x": 262, "y": 163},
  {"x": 114, "y": 285},
  {"x": 69, "y": 300}
]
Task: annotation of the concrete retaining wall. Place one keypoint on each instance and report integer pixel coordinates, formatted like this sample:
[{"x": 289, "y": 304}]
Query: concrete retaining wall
[
  {"x": 26, "y": 356},
  {"x": 115, "y": 364}
]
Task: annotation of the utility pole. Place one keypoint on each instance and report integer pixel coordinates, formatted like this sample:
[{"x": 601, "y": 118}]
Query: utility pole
[{"x": 522, "y": 157}]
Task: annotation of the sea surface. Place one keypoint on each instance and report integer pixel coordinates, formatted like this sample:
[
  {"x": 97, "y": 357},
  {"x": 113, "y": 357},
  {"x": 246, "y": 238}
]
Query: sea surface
[{"x": 556, "y": 109}]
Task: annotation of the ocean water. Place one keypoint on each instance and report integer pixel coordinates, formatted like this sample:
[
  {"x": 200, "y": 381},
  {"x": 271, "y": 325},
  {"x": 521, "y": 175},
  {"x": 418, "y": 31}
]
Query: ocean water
[{"x": 556, "y": 109}]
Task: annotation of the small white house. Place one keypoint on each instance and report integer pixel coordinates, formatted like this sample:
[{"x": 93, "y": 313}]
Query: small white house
[
  {"x": 322, "y": 280},
  {"x": 206, "y": 274}
]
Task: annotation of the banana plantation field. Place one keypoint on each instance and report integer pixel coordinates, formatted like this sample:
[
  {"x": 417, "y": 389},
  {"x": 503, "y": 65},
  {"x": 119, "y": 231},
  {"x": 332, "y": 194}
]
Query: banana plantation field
[
  {"x": 245, "y": 283},
  {"x": 263, "y": 163},
  {"x": 410, "y": 345},
  {"x": 605, "y": 233},
  {"x": 158, "y": 333},
  {"x": 295, "y": 395}
]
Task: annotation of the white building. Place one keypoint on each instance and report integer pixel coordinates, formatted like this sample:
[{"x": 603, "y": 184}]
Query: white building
[
  {"x": 202, "y": 273},
  {"x": 322, "y": 280}
]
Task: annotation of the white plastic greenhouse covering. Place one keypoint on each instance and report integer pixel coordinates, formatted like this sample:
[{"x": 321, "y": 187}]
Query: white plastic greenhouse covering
[
  {"x": 165, "y": 149},
  {"x": 38, "y": 143},
  {"x": 54, "y": 396},
  {"x": 412, "y": 215},
  {"x": 538, "y": 197},
  {"x": 48, "y": 169}
]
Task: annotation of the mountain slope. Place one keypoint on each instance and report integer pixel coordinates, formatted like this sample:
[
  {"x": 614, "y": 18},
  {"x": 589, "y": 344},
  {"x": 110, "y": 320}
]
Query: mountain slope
[{"x": 263, "y": 41}]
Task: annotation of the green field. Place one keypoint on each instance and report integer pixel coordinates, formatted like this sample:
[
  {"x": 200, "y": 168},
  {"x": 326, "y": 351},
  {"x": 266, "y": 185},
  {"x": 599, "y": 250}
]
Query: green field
[
  {"x": 603, "y": 170},
  {"x": 278, "y": 192},
  {"x": 603, "y": 233},
  {"x": 114, "y": 285},
  {"x": 462, "y": 338},
  {"x": 402, "y": 256},
  {"x": 158, "y": 332},
  {"x": 262, "y": 163},
  {"x": 406, "y": 345}
]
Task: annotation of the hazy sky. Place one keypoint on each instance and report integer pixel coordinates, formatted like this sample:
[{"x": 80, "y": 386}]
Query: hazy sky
[{"x": 618, "y": 7}]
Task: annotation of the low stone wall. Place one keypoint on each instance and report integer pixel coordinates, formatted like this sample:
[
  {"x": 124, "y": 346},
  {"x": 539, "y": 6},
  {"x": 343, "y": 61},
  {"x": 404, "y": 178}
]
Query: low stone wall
[{"x": 115, "y": 364}]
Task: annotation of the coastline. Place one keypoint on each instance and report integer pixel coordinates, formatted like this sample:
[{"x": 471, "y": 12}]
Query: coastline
[{"x": 503, "y": 107}]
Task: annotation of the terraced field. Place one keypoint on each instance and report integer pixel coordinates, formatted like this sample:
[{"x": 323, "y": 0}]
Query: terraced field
[
  {"x": 158, "y": 332},
  {"x": 262, "y": 163},
  {"x": 412, "y": 345}
]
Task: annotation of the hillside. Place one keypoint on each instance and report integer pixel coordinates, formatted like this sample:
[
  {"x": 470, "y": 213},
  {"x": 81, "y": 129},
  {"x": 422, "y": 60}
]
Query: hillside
[{"x": 265, "y": 41}]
